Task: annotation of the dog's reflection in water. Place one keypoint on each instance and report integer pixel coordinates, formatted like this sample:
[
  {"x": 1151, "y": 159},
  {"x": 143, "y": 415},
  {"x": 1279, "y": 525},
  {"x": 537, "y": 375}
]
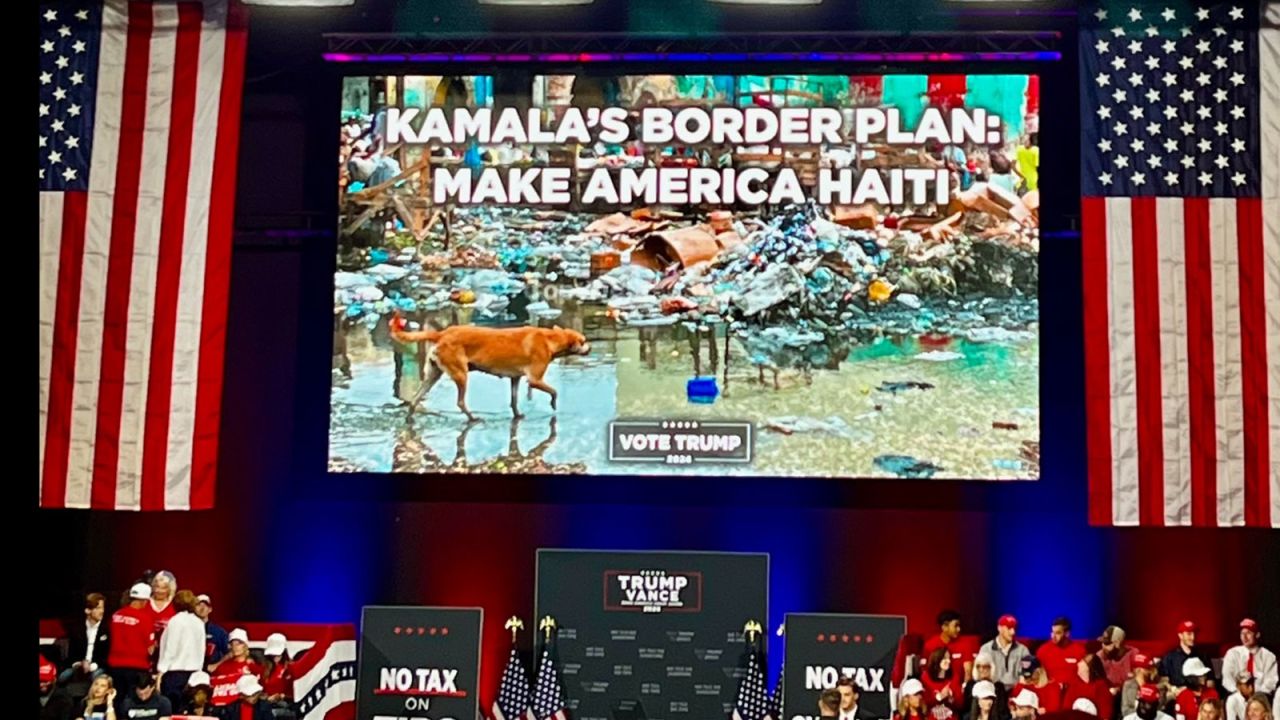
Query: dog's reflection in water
[{"x": 412, "y": 455}]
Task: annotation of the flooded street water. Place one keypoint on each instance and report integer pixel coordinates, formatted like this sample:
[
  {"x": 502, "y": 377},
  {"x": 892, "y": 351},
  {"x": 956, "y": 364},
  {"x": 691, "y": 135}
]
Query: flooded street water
[{"x": 940, "y": 407}]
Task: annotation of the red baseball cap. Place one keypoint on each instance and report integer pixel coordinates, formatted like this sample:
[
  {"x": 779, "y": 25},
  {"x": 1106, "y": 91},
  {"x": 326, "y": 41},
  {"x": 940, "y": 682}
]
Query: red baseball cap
[
  {"x": 48, "y": 673},
  {"x": 1008, "y": 621},
  {"x": 1249, "y": 624},
  {"x": 1187, "y": 626},
  {"x": 1148, "y": 693},
  {"x": 1144, "y": 661}
]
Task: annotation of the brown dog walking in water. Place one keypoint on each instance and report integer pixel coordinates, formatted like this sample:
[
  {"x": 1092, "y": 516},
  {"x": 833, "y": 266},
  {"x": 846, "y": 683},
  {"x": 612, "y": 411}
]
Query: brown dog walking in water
[{"x": 504, "y": 352}]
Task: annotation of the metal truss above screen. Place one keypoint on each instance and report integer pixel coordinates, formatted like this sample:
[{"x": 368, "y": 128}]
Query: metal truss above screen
[{"x": 1018, "y": 46}]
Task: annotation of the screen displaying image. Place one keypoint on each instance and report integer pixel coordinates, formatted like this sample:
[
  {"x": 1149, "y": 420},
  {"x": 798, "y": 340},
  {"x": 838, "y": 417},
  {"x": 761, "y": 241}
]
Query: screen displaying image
[{"x": 767, "y": 275}]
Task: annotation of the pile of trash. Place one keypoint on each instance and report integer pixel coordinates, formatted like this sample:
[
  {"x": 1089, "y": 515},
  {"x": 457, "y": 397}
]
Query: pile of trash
[{"x": 797, "y": 278}]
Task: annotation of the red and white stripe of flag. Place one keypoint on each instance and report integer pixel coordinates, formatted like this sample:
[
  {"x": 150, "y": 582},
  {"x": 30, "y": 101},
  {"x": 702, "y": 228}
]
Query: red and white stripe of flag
[{"x": 134, "y": 273}]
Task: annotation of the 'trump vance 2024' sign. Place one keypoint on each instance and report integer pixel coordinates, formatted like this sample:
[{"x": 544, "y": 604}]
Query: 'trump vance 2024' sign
[
  {"x": 652, "y": 591},
  {"x": 418, "y": 663}
]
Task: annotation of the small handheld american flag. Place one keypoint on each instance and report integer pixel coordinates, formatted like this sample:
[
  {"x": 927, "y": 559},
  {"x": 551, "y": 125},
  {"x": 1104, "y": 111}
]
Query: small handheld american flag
[{"x": 513, "y": 692}]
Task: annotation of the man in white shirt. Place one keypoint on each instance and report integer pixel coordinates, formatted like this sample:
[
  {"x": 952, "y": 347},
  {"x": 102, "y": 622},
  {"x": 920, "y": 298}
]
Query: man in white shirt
[
  {"x": 1251, "y": 657},
  {"x": 1007, "y": 652},
  {"x": 182, "y": 648},
  {"x": 849, "y": 709},
  {"x": 1239, "y": 699}
]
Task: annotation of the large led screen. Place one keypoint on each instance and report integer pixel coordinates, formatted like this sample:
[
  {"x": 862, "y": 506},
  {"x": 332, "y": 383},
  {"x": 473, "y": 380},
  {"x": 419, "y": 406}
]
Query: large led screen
[{"x": 767, "y": 275}]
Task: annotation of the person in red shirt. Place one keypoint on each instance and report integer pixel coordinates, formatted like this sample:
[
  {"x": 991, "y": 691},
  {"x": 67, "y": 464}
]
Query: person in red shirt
[
  {"x": 228, "y": 671},
  {"x": 160, "y": 605},
  {"x": 949, "y": 637},
  {"x": 942, "y": 684},
  {"x": 1034, "y": 679},
  {"x": 131, "y": 639},
  {"x": 1060, "y": 655},
  {"x": 1091, "y": 683},
  {"x": 1187, "y": 703},
  {"x": 277, "y": 676}
]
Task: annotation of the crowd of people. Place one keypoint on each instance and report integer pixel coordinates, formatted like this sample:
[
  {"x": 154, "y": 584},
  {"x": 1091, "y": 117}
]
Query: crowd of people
[
  {"x": 160, "y": 654},
  {"x": 1004, "y": 680}
]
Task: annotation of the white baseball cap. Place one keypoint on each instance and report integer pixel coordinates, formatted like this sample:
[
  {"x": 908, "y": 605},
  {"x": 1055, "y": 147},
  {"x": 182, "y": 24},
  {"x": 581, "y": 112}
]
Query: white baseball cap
[
  {"x": 911, "y": 686},
  {"x": 1194, "y": 667},
  {"x": 199, "y": 678},
  {"x": 275, "y": 644},
  {"x": 204, "y": 598},
  {"x": 1026, "y": 698},
  {"x": 248, "y": 685},
  {"x": 140, "y": 591},
  {"x": 984, "y": 689},
  {"x": 238, "y": 634},
  {"x": 1085, "y": 705}
]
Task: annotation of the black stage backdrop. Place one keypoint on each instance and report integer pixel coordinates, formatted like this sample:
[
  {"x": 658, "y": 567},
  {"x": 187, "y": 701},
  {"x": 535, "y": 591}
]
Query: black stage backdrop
[{"x": 651, "y": 635}]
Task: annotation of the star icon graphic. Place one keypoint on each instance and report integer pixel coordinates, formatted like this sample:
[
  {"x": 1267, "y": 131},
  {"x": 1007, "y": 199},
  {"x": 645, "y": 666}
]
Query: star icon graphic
[
  {"x": 1171, "y": 177},
  {"x": 69, "y": 174},
  {"x": 1205, "y": 178},
  {"x": 1237, "y": 13},
  {"x": 1220, "y": 128},
  {"x": 1202, "y": 13},
  {"x": 51, "y": 15},
  {"x": 1238, "y": 145},
  {"x": 1169, "y": 15},
  {"x": 1105, "y": 178},
  {"x": 1237, "y": 112},
  {"x": 1238, "y": 178}
]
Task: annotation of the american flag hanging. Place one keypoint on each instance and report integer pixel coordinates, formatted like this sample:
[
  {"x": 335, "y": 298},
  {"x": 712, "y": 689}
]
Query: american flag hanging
[
  {"x": 139, "y": 123},
  {"x": 513, "y": 691},
  {"x": 1181, "y": 244},
  {"x": 752, "y": 702},
  {"x": 548, "y": 697}
]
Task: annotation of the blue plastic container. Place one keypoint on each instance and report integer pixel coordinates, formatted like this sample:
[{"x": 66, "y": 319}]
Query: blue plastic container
[{"x": 702, "y": 390}]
